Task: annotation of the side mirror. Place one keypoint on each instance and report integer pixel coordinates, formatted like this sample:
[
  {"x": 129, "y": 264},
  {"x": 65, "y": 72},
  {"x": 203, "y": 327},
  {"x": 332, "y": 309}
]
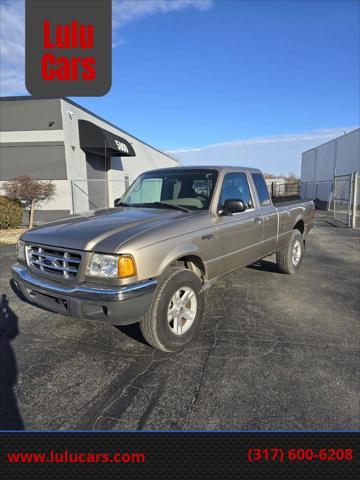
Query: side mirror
[
  {"x": 117, "y": 201},
  {"x": 233, "y": 205}
]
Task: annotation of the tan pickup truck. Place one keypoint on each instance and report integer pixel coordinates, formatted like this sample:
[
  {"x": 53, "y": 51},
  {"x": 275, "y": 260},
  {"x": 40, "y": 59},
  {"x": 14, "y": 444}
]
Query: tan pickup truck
[{"x": 150, "y": 257}]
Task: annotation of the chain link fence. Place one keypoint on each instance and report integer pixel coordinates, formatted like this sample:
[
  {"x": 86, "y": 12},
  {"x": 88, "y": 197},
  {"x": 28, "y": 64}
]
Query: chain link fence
[
  {"x": 340, "y": 197},
  {"x": 282, "y": 190},
  {"x": 317, "y": 190},
  {"x": 95, "y": 194},
  {"x": 346, "y": 198}
]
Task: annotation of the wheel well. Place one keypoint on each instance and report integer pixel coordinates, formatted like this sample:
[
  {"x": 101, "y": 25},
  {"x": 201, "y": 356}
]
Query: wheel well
[
  {"x": 194, "y": 263},
  {"x": 300, "y": 226}
]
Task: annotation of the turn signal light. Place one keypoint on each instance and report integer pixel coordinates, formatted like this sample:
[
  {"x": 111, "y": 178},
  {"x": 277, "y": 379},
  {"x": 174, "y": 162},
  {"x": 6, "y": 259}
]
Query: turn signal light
[{"x": 126, "y": 266}]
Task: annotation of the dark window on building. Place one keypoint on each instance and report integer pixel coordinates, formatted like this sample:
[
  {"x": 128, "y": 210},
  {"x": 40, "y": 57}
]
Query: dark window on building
[{"x": 261, "y": 188}]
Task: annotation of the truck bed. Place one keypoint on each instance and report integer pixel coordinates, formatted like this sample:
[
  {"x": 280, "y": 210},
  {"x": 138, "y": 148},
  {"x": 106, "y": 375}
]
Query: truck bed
[{"x": 280, "y": 203}]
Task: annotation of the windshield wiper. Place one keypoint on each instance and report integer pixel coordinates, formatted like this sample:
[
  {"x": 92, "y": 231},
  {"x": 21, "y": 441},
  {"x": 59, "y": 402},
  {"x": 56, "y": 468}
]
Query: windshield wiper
[{"x": 166, "y": 205}]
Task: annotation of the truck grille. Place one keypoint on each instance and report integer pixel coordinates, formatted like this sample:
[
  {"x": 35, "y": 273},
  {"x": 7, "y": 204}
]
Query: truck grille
[{"x": 53, "y": 262}]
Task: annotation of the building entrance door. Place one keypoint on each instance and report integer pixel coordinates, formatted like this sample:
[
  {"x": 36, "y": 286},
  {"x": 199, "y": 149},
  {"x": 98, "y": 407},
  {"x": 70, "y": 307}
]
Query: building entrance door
[{"x": 97, "y": 174}]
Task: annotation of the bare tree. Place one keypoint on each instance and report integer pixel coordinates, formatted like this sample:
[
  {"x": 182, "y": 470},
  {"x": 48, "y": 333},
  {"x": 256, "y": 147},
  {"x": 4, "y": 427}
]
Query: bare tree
[
  {"x": 30, "y": 191},
  {"x": 268, "y": 175},
  {"x": 292, "y": 177}
]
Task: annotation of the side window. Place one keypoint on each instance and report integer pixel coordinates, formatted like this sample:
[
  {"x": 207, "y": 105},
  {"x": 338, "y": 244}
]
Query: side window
[
  {"x": 235, "y": 185},
  {"x": 261, "y": 188}
]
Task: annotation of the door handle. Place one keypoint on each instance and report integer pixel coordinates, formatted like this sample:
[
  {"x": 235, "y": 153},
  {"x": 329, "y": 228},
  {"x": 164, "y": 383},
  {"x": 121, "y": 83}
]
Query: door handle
[{"x": 257, "y": 219}]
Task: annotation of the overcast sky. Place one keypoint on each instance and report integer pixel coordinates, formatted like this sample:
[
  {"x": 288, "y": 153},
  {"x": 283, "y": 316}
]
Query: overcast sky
[{"x": 236, "y": 82}]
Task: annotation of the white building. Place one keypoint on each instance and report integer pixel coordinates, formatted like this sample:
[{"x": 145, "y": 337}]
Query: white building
[
  {"x": 319, "y": 165},
  {"x": 90, "y": 160}
]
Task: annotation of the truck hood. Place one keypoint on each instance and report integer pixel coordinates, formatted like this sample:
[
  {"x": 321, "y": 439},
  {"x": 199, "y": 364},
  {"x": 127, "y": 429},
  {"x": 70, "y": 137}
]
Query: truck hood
[{"x": 101, "y": 230}]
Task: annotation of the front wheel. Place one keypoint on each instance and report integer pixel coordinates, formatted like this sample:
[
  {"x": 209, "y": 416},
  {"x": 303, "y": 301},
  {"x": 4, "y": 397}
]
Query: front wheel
[
  {"x": 175, "y": 312},
  {"x": 290, "y": 257}
]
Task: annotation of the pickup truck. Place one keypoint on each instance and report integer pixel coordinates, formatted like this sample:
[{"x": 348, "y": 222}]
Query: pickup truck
[{"x": 149, "y": 259}]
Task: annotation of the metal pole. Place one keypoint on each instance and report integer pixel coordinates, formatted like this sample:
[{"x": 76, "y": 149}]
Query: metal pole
[
  {"x": 72, "y": 196},
  {"x": 334, "y": 197},
  {"x": 355, "y": 199},
  {"x": 335, "y": 153},
  {"x": 106, "y": 179},
  {"x": 351, "y": 193}
]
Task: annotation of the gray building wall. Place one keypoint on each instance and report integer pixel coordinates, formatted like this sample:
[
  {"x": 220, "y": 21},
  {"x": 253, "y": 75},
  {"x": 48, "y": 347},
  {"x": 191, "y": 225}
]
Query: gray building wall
[
  {"x": 40, "y": 137},
  {"x": 120, "y": 168},
  {"x": 320, "y": 164},
  {"x": 32, "y": 143},
  {"x": 25, "y": 115},
  {"x": 25, "y": 158}
]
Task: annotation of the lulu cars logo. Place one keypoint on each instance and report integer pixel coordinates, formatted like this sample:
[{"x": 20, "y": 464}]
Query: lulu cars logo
[
  {"x": 68, "y": 47},
  {"x": 70, "y": 36}
]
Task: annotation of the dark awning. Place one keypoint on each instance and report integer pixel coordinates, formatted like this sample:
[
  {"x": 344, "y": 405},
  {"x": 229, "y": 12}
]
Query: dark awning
[{"x": 102, "y": 142}]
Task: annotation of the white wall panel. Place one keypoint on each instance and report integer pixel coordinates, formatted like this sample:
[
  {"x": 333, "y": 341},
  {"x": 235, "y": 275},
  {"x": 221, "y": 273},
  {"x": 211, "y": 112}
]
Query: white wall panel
[
  {"x": 308, "y": 166},
  {"x": 61, "y": 200},
  {"x": 340, "y": 156},
  {"x": 348, "y": 153},
  {"x": 325, "y": 161}
]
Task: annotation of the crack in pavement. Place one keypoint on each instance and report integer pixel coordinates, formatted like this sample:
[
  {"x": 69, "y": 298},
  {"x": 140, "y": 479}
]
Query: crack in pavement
[{"x": 206, "y": 360}]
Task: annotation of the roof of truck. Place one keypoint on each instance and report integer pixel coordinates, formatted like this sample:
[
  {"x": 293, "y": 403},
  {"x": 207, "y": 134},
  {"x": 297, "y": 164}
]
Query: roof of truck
[{"x": 227, "y": 168}]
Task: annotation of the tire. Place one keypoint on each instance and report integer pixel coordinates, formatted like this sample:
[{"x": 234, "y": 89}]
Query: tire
[
  {"x": 165, "y": 326},
  {"x": 290, "y": 257}
]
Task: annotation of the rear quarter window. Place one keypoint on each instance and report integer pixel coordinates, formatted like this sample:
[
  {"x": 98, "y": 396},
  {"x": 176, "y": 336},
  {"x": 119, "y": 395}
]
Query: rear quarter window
[{"x": 261, "y": 188}]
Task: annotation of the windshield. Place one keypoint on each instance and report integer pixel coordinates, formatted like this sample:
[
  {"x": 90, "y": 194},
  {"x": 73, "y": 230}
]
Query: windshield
[{"x": 191, "y": 190}]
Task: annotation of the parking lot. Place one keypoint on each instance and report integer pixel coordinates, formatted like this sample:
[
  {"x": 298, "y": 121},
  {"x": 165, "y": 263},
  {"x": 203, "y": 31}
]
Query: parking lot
[{"x": 274, "y": 352}]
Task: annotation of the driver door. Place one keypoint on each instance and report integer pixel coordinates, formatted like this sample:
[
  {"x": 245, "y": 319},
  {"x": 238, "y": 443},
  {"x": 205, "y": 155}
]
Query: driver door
[{"x": 240, "y": 235}]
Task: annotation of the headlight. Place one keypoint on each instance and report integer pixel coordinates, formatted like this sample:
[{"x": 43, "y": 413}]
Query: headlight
[
  {"x": 20, "y": 250},
  {"x": 111, "y": 266}
]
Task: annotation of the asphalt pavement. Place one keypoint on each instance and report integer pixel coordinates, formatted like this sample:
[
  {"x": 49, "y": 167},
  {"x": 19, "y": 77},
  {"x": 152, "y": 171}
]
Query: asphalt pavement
[{"x": 274, "y": 352}]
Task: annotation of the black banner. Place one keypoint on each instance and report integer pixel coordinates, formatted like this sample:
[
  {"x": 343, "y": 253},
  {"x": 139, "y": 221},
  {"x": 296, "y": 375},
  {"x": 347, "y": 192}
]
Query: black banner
[{"x": 179, "y": 455}]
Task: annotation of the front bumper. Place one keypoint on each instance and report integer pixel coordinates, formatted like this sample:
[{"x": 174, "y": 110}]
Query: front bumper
[{"x": 118, "y": 305}]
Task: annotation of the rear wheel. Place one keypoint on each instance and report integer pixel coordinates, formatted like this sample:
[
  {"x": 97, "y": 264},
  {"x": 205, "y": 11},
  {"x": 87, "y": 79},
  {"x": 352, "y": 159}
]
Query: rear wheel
[
  {"x": 176, "y": 311},
  {"x": 290, "y": 257}
]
